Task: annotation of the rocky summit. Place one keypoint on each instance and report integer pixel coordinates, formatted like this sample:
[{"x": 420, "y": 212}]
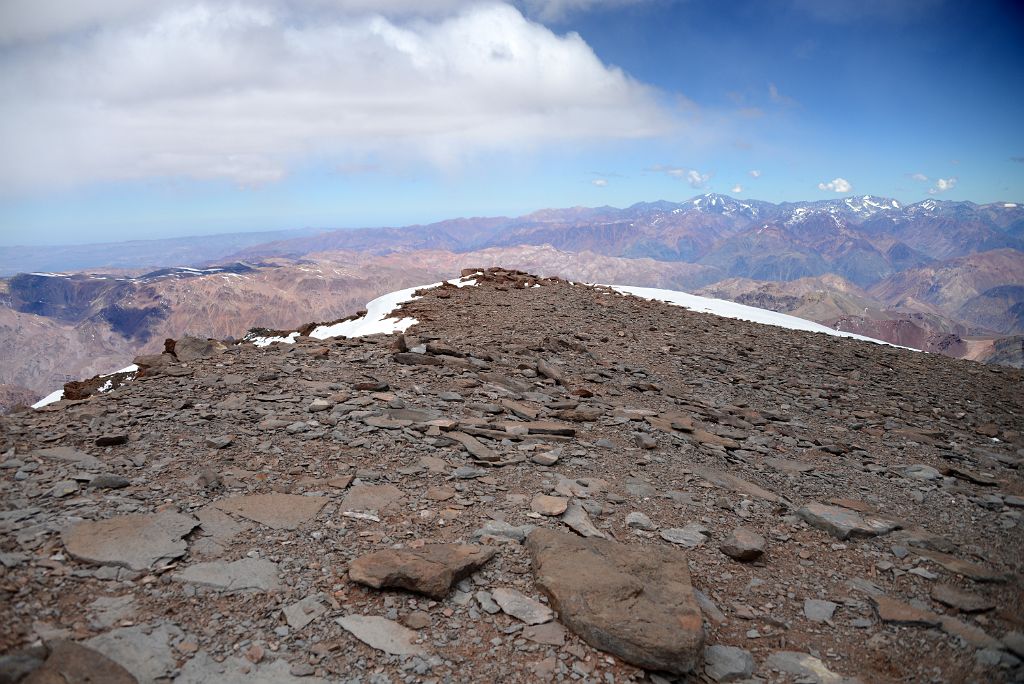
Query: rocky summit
[{"x": 538, "y": 481}]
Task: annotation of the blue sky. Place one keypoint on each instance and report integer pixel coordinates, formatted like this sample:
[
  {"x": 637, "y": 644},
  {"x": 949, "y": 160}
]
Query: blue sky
[{"x": 126, "y": 120}]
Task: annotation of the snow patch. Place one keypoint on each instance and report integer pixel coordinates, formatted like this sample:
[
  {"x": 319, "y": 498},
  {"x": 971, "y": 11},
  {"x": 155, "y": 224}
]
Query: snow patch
[
  {"x": 1009, "y": 205},
  {"x": 267, "y": 341},
  {"x": 105, "y": 387},
  {"x": 49, "y": 398},
  {"x": 726, "y": 309},
  {"x": 378, "y": 320}
]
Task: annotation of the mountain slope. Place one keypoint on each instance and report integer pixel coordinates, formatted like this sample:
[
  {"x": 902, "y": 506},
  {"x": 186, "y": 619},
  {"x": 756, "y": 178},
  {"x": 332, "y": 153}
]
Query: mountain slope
[{"x": 529, "y": 452}]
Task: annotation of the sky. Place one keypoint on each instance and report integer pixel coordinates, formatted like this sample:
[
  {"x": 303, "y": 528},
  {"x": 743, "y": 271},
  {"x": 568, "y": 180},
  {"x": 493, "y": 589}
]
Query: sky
[{"x": 129, "y": 119}]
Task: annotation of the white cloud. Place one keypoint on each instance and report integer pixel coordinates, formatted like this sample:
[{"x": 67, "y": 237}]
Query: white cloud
[
  {"x": 600, "y": 182},
  {"x": 942, "y": 185},
  {"x": 737, "y": 188},
  {"x": 247, "y": 90},
  {"x": 919, "y": 177},
  {"x": 836, "y": 185},
  {"x": 754, "y": 173},
  {"x": 696, "y": 179}
]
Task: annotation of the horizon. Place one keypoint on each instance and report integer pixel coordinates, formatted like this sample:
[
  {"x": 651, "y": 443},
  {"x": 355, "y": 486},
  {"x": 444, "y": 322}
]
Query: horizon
[
  {"x": 468, "y": 217},
  {"x": 148, "y": 120}
]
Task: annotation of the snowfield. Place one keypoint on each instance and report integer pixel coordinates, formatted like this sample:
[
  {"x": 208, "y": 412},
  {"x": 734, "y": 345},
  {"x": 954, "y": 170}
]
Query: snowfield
[{"x": 727, "y": 309}]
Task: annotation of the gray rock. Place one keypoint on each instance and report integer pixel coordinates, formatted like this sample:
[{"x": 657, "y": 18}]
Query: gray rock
[
  {"x": 639, "y": 521},
  {"x": 109, "y": 481},
  {"x": 248, "y": 574},
  {"x": 503, "y": 530},
  {"x": 522, "y": 607},
  {"x": 920, "y": 471},
  {"x": 727, "y": 663},
  {"x": 303, "y": 612},
  {"x": 576, "y": 518},
  {"x": 65, "y": 488},
  {"x": 143, "y": 650},
  {"x": 219, "y": 442},
  {"x": 817, "y": 610},
  {"x": 133, "y": 541},
  {"x": 691, "y": 535},
  {"x": 487, "y": 603},
  {"x": 69, "y": 455},
  {"x": 844, "y": 523},
  {"x": 192, "y": 348},
  {"x": 382, "y": 634}
]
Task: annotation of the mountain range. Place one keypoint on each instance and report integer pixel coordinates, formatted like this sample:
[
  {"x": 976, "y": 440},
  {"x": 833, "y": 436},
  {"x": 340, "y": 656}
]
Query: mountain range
[{"x": 942, "y": 276}]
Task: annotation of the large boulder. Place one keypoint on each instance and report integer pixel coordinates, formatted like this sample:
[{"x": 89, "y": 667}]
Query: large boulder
[
  {"x": 634, "y": 602},
  {"x": 192, "y": 348}
]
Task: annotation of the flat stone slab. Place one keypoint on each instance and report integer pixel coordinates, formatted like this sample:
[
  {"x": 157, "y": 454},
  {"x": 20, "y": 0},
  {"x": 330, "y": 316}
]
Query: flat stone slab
[
  {"x": 549, "y": 505},
  {"x": 736, "y": 484},
  {"x": 577, "y": 518},
  {"x": 521, "y": 606},
  {"x": 135, "y": 541},
  {"x": 964, "y": 601},
  {"x": 382, "y": 634},
  {"x": 969, "y": 569},
  {"x": 690, "y": 535},
  {"x": 430, "y": 570},
  {"x": 248, "y": 574},
  {"x": 303, "y": 612},
  {"x": 475, "y": 448},
  {"x": 634, "y": 602},
  {"x": 69, "y": 455},
  {"x": 377, "y": 498},
  {"x": 844, "y": 523},
  {"x": 71, "y": 662},
  {"x": 278, "y": 511},
  {"x": 900, "y": 613},
  {"x": 144, "y": 651}
]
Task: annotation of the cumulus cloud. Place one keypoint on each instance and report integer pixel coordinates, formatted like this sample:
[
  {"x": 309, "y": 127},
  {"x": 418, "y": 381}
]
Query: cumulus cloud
[
  {"x": 247, "y": 90},
  {"x": 696, "y": 179},
  {"x": 754, "y": 173},
  {"x": 600, "y": 182},
  {"x": 919, "y": 177},
  {"x": 737, "y": 188},
  {"x": 836, "y": 185},
  {"x": 942, "y": 185}
]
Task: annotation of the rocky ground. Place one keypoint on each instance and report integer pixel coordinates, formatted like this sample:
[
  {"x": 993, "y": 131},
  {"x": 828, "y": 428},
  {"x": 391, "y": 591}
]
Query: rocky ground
[{"x": 538, "y": 482}]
